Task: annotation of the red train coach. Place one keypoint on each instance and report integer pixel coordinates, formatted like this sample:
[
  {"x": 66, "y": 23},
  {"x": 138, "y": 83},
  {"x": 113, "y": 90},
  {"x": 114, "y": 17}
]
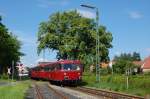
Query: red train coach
[
  {"x": 64, "y": 71},
  {"x": 38, "y": 72}
]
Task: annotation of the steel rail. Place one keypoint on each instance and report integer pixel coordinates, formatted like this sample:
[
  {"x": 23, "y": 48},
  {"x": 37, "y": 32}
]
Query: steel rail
[
  {"x": 38, "y": 93},
  {"x": 62, "y": 96},
  {"x": 108, "y": 94},
  {"x": 37, "y": 89}
]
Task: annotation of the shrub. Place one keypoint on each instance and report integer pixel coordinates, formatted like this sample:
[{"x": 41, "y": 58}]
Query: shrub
[{"x": 4, "y": 76}]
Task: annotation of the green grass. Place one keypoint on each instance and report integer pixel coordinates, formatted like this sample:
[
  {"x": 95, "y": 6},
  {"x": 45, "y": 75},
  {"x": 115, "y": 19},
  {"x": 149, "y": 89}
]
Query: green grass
[
  {"x": 14, "y": 91},
  {"x": 138, "y": 84}
]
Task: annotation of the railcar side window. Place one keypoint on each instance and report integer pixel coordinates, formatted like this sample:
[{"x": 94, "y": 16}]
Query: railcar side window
[
  {"x": 52, "y": 68},
  {"x": 71, "y": 67},
  {"x": 46, "y": 68},
  {"x": 41, "y": 69},
  {"x": 37, "y": 69},
  {"x": 49, "y": 69},
  {"x": 58, "y": 66}
]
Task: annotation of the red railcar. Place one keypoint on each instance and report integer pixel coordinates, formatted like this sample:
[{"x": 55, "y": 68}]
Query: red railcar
[{"x": 64, "y": 71}]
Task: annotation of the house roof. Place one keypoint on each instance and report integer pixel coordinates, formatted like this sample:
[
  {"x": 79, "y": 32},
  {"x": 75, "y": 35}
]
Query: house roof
[
  {"x": 146, "y": 63},
  {"x": 139, "y": 63},
  {"x": 104, "y": 64}
]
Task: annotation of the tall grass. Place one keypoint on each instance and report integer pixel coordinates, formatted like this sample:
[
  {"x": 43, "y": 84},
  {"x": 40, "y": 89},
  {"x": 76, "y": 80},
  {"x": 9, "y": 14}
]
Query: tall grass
[{"x": 138, "y": 84}]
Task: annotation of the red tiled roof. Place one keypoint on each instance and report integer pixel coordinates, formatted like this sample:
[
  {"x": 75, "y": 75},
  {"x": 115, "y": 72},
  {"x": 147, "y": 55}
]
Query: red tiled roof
[
  {"x": 146, "y": 63},
  {"x": 104, "y": 65},
  {"x": 140, "y": 63}
]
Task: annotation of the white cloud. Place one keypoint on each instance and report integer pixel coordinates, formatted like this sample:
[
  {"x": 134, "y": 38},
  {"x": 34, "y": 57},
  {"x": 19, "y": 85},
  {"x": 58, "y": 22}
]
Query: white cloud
[
  {"x": 148, "y": 50},
  {"x": 86, "y": 13},
  {"x": 48, "y": 3},
  {"x": 41, "y": 60},
  {"x": 45, "y": 60},
  {"x": 135, "y": 15}
]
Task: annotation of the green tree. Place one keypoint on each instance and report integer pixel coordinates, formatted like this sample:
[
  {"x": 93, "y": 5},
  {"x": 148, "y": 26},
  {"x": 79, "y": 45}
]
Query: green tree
[
  {"x": 73, "y": 36},
  {"x": 136, "y": 56},
  {"x": 124, "y": 56},
  {"x": 122, "y": 65},
  {"x": 125, "y": 61},
  {"x": 9, "y": 48},
  {"x": 128, "y": 56}
]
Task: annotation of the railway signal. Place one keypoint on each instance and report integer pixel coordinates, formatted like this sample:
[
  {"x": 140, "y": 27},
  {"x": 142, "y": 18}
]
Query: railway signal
[
  {"x": 20, "y": 69},
  {"x": 8, "y": 71}
]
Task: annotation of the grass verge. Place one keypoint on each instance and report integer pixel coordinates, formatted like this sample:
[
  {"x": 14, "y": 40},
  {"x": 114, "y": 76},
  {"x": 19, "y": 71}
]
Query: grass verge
[
  {"x": 138, "y": 84},
  {"x": 14, "y": 90}
]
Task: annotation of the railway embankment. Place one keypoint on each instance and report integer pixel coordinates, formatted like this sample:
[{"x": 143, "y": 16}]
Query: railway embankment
[{"x": 137, "y": 85}]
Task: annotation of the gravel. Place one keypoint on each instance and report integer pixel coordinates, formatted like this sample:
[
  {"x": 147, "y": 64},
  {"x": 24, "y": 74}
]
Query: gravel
[
  {"x": 50, "y": 94},
  {"x": 72, "y": 94}
]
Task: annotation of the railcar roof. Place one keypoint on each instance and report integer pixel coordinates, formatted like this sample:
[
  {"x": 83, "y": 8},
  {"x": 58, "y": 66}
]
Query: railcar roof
[
  {"x": 60, "y": 62},
  {"x": 69, "y": 61}
]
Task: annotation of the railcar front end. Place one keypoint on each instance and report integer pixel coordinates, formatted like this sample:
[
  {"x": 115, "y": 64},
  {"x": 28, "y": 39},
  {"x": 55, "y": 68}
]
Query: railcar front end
[{"x": 72, "y": 73}]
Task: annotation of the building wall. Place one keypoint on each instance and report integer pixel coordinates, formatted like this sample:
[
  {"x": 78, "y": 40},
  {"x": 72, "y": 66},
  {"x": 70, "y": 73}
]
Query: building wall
[{"x": 146, "y": 70}]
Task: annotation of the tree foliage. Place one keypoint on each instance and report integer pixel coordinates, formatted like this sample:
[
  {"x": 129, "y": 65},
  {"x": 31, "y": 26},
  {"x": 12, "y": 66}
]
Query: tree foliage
[
  {"x": 125, "y": 61},
  {"x": 122, "y": 65},
  {"x": 9, "y": 48},
  {"x": 128, "y": 56},
  {"x": 73, "y": 36}
]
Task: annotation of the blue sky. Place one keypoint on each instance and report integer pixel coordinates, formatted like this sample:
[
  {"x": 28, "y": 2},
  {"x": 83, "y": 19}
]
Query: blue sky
[{"x": 128, "y": 20}]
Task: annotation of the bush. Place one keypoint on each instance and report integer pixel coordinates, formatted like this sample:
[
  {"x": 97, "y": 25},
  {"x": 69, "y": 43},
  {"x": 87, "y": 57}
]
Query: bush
[
  {"x": 147, "y": 73},
  {"x": 103, "y": 71},
  {"x": 4, "y": 76}
]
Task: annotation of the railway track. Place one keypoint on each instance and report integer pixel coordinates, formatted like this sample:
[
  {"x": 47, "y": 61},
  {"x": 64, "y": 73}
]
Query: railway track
[
  {"x": 45, "y": 91},
  {"x": 107, "y": 94},
  {"x": 39, "y": 95},
  {"x": 62, "y": 96}
]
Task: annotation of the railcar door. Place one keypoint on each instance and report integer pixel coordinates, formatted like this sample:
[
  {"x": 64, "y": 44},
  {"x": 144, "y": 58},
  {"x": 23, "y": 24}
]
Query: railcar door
[{"x": 58, "y": 73}]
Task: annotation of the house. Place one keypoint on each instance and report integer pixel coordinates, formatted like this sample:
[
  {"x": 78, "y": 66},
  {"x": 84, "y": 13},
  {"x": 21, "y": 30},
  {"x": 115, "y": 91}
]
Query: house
[
  {"x": 107, "y": 64},
  {"x": 142, "y": 66},
  {"x": 104, "y": 64},
  {"x": 138, "y": 64},
  {"x": 146, "y": 65}
]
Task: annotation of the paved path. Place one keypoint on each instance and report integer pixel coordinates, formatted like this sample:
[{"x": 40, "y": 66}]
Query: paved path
[{"x": 6, "y": 83}]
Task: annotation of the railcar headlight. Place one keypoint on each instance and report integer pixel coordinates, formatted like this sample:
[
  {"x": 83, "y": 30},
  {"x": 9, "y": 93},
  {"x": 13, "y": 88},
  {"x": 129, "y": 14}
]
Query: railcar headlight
[{"x": 65, "y": 73}]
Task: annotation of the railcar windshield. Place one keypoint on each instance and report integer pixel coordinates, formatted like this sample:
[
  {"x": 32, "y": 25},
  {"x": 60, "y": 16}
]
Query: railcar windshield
[{"x": 71, "y": 66}]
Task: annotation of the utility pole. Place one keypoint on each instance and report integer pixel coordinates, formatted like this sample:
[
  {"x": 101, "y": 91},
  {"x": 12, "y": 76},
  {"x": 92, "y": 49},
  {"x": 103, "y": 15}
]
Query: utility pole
[
  {"x": 12, "y": 70},
  {"x": 97, "y": 42},
  {"x": 97, "y": 47}
]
